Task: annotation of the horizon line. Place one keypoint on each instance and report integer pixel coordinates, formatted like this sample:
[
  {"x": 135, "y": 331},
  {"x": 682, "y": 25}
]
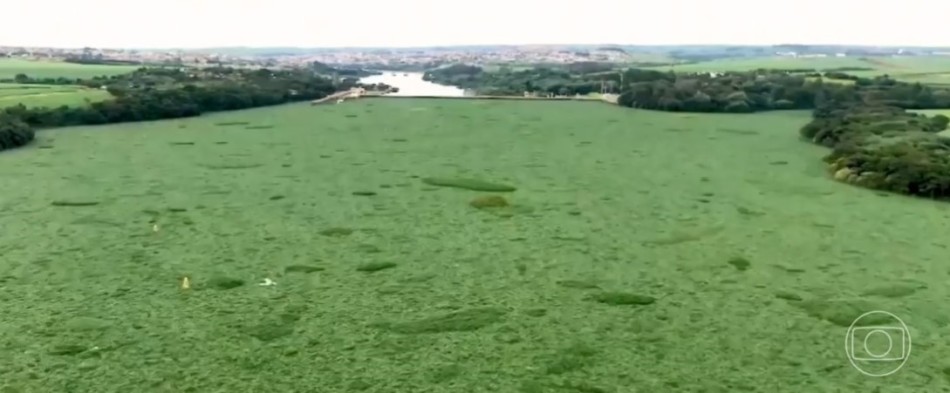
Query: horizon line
[{"x": 471, "y": 46}]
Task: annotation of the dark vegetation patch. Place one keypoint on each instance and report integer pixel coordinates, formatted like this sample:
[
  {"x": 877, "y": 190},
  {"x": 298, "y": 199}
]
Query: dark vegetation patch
[
  {"x": 578, "y": 284},
  {"x": 364, "y": 193},
  {"x": 336, "y": 232},
  {"x": 224, "y": 283},
  {"x": 303, "y": 269},
  {"x": 489, "y": 202},
  {"x": 740, "y": 263},
  {"x": 536, "y": 312},
  {"x": 748, "y": 212},
  {"x": 737, "y": 131},
  {"x": 786, "y": 295},
  {"x": 67, "y": 349},
  {"x": 622, "y": 299},
  {"x": 844, "y": 312},
  {"x": 270, "y": 331},
  {"x": 74, "y": 203},
  {"x": 375, "y": 266},
  {"x": 231, "y": 166},
  {"x": 468, "y": 184},
  {"x": 892, "y": 291}
]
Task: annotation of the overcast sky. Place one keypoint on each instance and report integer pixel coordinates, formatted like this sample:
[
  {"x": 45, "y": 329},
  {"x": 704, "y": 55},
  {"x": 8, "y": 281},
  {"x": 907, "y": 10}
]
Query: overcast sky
[{"x": 334, "y": 23}]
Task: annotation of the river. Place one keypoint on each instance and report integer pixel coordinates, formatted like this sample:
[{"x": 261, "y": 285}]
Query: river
[{"x": 411, "y": 84}]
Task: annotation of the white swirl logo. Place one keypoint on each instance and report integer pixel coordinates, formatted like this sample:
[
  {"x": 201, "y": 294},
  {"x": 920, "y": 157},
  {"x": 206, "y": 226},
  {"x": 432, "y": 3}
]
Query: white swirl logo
[{"x": 878, "y": 343}]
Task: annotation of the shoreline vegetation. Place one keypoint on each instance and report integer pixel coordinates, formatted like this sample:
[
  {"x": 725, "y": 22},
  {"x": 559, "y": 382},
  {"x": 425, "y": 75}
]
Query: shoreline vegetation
[
  {"x": 157, "y": 93},
  {"x": 876, "y": 143}
]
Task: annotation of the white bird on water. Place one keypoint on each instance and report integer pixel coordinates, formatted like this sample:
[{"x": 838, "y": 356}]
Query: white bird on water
[{"x": 267, "y": 283}]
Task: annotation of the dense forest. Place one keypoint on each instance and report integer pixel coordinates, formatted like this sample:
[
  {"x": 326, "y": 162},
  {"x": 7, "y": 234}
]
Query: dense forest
[
  {"x": 884, "y": 147},
  {"x": 577, "y": 78},
  {"x": 165, "y": 93},
  {"x": 653, "y": 89}
]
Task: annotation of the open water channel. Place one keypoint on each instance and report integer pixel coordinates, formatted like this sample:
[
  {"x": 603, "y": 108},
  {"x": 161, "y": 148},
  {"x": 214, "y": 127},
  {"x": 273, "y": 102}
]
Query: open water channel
[{"x": 412, "y": 84}]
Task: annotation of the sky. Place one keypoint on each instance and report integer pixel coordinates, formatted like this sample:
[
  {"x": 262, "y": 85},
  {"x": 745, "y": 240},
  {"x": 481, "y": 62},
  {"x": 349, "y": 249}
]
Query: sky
[{"x": 406, "y": 23}]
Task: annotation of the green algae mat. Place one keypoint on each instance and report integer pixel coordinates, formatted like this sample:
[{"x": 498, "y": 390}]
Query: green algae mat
[{"x": 456, "y": 246}]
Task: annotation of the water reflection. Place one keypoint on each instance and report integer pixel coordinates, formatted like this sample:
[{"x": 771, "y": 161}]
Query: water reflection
[{"x": 411, "y": 84}]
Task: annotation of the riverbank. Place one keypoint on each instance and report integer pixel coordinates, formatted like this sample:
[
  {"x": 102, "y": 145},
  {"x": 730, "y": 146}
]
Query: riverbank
[
  {"x": 357, "y": 93},
  {"x": 609, "y": 98}
]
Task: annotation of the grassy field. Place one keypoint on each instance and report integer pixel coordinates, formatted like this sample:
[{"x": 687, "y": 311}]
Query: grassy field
[
  {"x": 928, "y": 70},
  {"x": 642, "y": 252},
  {"x": 54, "y": 69},
  {"x": 748, "y": 64},
  {"x": 48, "y": 95}
]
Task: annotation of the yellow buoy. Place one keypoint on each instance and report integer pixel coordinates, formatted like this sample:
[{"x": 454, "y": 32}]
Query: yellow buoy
[{"x": 185, "y": 283}]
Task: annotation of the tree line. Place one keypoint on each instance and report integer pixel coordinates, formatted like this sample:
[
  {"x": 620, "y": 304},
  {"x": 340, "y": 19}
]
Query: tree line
[
  {"x": 579, "y": 78},
  {"x": 876, "y": 142},
  {"x": 884, "y": 147},
  {"x": 166, "y": 93}
]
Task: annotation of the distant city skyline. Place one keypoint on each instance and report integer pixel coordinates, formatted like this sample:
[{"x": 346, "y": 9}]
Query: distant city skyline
[{"x": 193, "y": 24}]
